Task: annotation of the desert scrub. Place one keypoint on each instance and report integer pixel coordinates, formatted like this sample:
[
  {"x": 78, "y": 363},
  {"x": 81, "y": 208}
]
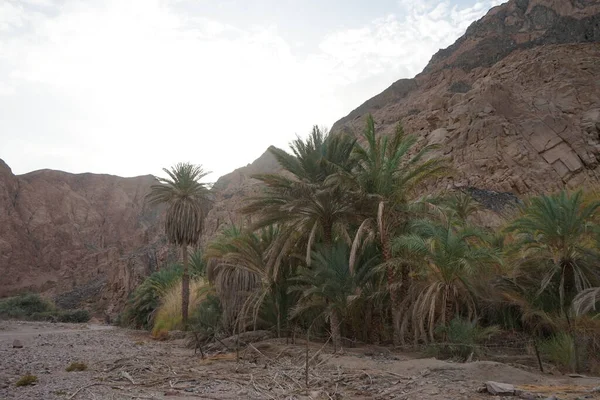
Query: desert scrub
[
  {"x": 24, "y": 306},
  {"x": 73, "y": 316},
  {"x": 168, "y": 316},
  {"x": 69, "y": 316},
  {"x": 76, "y": 366},
  {"x": 560, "y": 350},
  {"x": 27, "y": 380},
  {"x": 34, "y": 307},
  {"x": 461, "y": 339}
]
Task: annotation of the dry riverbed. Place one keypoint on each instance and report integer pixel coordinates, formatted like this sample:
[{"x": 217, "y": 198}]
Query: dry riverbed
[{"x": 124, "y": 364}]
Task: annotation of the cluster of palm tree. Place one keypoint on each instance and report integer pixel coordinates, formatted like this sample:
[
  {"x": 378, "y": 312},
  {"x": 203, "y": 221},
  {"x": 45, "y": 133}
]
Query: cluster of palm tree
[{"x": 351, "y": 240}]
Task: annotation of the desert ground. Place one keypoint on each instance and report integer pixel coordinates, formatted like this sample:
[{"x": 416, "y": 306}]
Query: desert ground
[{"x": 126, "y": 364}]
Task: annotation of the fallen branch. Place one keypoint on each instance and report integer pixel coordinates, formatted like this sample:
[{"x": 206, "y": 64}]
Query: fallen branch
[{"x": 81, "y": 388}]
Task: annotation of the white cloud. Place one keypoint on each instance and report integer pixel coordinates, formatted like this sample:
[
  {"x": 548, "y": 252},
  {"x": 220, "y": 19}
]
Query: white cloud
[{"x": 139, "y": 86}]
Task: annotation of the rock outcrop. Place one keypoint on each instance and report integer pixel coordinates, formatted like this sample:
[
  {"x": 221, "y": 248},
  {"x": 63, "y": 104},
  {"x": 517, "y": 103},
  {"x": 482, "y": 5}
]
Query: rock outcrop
[
  {"x": 514, "y": 103},
  {"x": 82, "y": 238}
]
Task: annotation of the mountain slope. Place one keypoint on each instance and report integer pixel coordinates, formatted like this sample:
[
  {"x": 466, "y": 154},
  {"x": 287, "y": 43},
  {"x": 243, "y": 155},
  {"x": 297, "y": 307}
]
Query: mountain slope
[
  {"x": 514, "y": 103},
  {"x": 84, "y": 237}
]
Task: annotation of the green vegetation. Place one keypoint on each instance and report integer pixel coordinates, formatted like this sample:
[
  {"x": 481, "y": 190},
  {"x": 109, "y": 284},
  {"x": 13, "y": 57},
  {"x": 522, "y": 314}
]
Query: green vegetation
[
  {"x": 76, "y": 366},
  {"x": 350, "y": 241},
  {"x": 186, "y": 199},
  {"x": 34, "y": 307},
  {"x": 560, "y": 349},
  {"x": 462, "y": 339},
  {"x": 27, "y": 380},
  {"x": 24, "y": 306},
  {"x": 145, "y": 300}
]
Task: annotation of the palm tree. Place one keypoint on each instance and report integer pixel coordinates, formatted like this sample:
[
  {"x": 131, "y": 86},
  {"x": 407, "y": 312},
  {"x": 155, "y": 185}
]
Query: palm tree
[
  {"x": 301, "y": 200},
  {"x": 449, "y": 262},
  {"x": 246, "y": 280},
  {"x": 186, "y": 199},
  {"x": 556, "y": 247},
  {"x": 233, "y": 283},
  {"x": 327, "y": 287},
  {"x": 388, "y": 172}
]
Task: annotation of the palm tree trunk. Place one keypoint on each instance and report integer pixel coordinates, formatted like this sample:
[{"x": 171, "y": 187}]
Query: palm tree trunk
[
  {"x": 185, "y": 288},
  {"x": 327, "y": 235},
  {"x": 336, "y": 336},
  {"x": 278, "y": 311},
  {"x": 376, "y": 327},
  {"x": 391, "y": 280}
]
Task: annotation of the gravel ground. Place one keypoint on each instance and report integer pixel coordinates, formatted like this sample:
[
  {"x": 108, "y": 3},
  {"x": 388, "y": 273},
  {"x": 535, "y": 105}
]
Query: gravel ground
[{"x": 124, "y": 364}]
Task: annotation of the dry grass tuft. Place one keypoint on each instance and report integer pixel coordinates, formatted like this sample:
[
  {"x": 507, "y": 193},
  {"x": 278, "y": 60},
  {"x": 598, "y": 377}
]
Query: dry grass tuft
[
  {"x": 27, "y": 380},
  {"x": 168, "y": 316},
  {"x": 76, "y": 366}
]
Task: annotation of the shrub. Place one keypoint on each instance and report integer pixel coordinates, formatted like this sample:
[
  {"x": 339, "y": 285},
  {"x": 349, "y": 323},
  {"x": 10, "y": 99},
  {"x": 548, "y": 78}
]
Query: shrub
[
  {"x": 50, "y": 316},
  {"x": 462, "y": 339},
  {"x": 560, "y": 350},
  {"x": 145, "y": 300},
  {"x": 76, "y": 366},
  {"x": 24, "y": 306},
  {"x": 73, "y": 316},
  {"x": 68, "y": 316},
  {"x": 168, "y": 316},
  {"x": 27, "y": 380},
  {"x": 206, "y": 318}
]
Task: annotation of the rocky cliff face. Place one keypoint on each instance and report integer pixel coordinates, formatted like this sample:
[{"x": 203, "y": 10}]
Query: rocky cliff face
[
  {"x": 81, "y": 238},
  {"x": 514, "y": 103}
]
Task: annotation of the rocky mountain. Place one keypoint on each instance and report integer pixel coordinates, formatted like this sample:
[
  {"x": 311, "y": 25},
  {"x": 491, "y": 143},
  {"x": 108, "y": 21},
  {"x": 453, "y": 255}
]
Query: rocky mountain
[
  {"x": 80, "y": 238},
  {"x": 514, "y": 104}
]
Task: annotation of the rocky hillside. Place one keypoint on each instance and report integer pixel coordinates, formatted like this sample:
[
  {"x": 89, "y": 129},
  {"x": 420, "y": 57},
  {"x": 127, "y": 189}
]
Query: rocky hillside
[
  {"x": 514, "y": 104},
  {"x": 81, "y": 238}
]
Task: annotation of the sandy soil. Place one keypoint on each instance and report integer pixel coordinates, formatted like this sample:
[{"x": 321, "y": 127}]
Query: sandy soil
[{"x": 125, "y": 364}]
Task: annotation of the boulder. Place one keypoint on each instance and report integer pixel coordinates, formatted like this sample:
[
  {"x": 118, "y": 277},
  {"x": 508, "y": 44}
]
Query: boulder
[{"x": 499, "y": 389}]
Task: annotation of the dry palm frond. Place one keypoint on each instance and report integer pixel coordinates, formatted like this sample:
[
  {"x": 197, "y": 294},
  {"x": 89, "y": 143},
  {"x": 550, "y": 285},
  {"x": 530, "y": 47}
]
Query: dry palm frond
[
  {"x": 586, "y": 301},
  {"x": 186, "y": 198}
]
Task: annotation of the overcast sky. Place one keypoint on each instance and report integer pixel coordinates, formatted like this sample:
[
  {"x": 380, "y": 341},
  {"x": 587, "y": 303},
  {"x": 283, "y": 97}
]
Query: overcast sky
[{"x": 127, "y": 87}]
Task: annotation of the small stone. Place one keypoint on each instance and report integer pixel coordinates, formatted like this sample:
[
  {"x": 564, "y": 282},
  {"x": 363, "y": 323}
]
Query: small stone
[
  {"x": 525, "y": 395},
  {"x": 17, "y": 344},
  {"x": 171, "y": 393},
  {"x": 499, "y": 389}
]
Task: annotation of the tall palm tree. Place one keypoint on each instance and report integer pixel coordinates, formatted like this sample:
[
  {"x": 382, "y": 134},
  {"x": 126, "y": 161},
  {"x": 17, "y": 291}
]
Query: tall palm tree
[
  {"x": 556, "y": 246},
  {"x": 186, "y": 199},
  {"x": 449, "y": 262},
  {"x": 389, "y": 172}
]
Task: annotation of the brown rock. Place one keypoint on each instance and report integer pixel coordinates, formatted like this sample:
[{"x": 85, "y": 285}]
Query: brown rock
[
  {"x": 17, "y": 344},
  {"x": 76, "y": 237},
  {"x": 514, "y": 103}
]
